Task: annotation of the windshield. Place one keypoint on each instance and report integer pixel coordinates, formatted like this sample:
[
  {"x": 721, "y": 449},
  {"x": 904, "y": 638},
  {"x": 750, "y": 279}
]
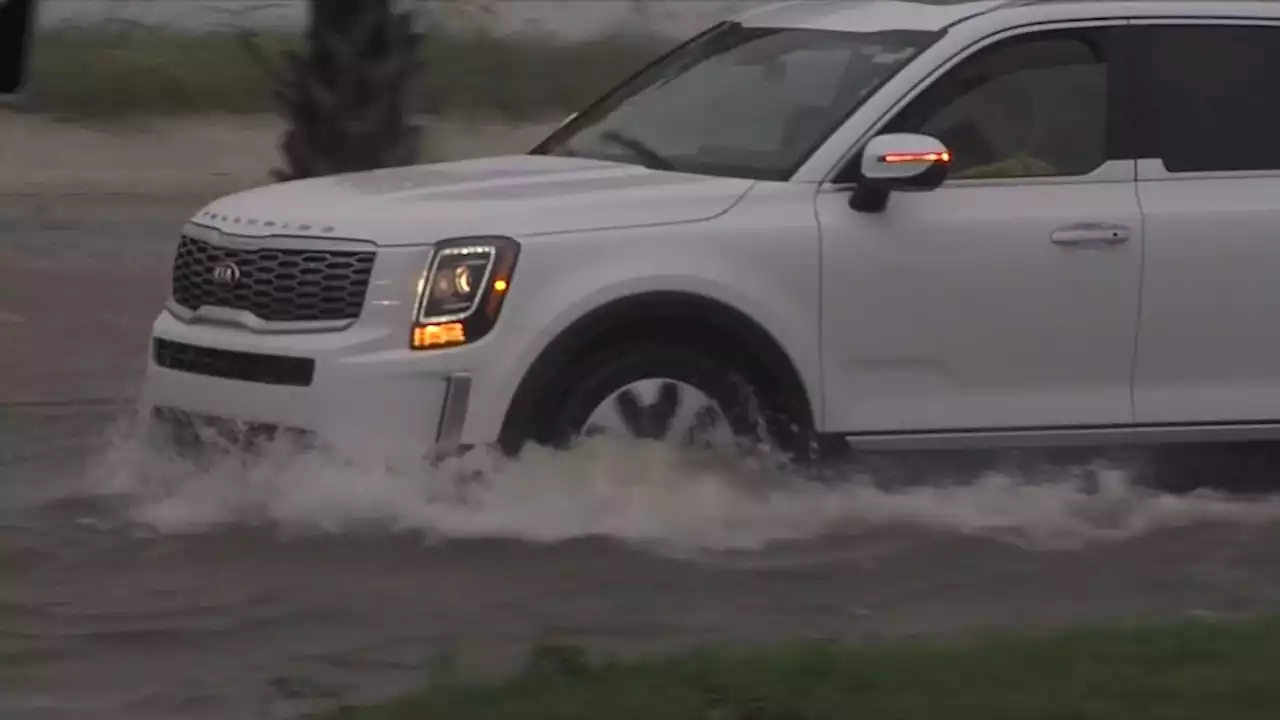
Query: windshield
[{"x": 749, "y": 102}]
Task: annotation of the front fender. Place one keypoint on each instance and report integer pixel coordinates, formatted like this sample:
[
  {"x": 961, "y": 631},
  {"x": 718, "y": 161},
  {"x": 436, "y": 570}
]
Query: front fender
[{"x": 557, "y": 283}]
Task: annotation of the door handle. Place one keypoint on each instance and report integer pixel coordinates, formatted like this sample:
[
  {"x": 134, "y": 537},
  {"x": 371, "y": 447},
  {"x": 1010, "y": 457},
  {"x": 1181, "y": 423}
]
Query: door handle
[{"x": 1091, "y": 234}]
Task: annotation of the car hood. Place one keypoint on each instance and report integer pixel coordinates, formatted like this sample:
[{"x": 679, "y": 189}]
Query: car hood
[{"x": 514, "y": 195}]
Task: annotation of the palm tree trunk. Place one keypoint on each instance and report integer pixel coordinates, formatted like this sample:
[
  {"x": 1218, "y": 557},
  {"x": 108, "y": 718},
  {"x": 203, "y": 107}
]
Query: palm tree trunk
[{"x": 348, "y": 97}]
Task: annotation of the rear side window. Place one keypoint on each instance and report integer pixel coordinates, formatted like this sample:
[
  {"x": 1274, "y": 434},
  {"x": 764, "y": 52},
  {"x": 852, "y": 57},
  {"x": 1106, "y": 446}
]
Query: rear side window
[{"x": 1210, "y": 96}]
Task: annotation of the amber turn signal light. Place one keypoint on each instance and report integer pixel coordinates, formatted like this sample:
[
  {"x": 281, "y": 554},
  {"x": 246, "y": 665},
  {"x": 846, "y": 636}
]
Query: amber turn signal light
[
  {"x": 929, "y": 157},
  {"x": 442, "y": 335}
]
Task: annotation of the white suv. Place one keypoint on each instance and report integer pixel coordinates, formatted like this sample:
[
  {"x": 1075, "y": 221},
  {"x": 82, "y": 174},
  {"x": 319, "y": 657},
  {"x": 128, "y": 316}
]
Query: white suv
[{"x": 902, "y": 224}]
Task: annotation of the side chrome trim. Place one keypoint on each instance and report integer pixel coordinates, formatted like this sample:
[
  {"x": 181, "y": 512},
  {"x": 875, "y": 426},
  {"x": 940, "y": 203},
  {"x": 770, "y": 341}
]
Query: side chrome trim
[
  {"x": 453, "y": 414},
  {"x": 214, "y": 315},
  {"x": 1069, "y": 437},
  {"x": 1111, "y": 171},
  {"x": 1153, "y": 169}
]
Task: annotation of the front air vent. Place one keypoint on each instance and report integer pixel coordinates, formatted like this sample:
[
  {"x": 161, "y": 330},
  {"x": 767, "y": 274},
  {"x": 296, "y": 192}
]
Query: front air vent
[{"x": 231, "y": 365}]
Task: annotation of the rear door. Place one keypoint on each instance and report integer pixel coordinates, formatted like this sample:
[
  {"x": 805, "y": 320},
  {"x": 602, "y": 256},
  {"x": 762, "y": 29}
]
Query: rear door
[{"x": 1209, "y": 187}]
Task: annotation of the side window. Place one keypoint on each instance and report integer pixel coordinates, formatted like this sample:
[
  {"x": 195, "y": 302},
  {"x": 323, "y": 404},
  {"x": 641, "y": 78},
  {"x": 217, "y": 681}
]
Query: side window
[
  {"x": 1209, "y": 99},
  {"x": 1030, "y": 106}
]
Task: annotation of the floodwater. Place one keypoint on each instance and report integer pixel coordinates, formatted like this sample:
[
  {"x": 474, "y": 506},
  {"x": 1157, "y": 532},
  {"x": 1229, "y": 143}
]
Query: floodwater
[{"x": 136, "y": 587}]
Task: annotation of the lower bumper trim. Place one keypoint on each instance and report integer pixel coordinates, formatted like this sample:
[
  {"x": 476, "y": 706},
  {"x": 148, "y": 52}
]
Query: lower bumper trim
[
  {"x": 232, "y": 365},
  {"x": 453, "y": 414}
]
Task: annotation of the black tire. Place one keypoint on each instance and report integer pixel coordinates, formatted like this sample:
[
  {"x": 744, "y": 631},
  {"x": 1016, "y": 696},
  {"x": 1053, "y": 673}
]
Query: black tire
[{"x": 561, "y": 416}]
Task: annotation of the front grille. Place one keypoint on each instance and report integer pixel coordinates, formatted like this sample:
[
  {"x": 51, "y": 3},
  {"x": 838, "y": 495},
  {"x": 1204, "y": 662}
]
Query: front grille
[
  {"x": 230, "y": 365},
  {"x": 275, "y": 285}
]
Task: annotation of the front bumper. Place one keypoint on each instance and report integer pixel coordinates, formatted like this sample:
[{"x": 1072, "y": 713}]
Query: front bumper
[{"x": 356, "y": 395}]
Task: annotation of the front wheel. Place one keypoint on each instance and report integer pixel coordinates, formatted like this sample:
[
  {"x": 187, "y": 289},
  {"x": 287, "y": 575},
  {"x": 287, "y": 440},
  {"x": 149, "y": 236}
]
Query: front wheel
[{"x": 662, "y": 393}]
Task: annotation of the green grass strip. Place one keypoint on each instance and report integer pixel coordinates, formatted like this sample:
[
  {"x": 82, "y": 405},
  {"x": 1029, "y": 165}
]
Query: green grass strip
[{"x": 1180, "y": 671}]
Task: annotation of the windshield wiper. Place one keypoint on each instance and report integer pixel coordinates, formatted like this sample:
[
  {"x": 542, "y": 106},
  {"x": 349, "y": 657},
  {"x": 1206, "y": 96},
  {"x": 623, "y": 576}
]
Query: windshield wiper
[{"x": 639, "y": 148}]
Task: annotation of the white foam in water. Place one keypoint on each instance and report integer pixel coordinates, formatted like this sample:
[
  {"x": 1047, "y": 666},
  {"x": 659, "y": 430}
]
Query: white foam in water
[{"x": 642, "y": 493}]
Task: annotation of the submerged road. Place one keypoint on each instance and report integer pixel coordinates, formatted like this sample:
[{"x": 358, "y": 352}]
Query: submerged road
[{"x": 137, "y": 589}]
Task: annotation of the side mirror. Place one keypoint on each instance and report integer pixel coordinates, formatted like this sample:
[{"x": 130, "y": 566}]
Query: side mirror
[{"x": 901, "y": 162}]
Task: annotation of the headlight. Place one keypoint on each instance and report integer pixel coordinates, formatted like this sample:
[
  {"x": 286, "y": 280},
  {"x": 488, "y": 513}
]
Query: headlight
[{"x": 461, "y": 291}]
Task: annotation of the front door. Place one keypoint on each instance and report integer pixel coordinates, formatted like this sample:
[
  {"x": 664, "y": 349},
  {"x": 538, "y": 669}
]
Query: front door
[{"x": 1008, "y": 297}]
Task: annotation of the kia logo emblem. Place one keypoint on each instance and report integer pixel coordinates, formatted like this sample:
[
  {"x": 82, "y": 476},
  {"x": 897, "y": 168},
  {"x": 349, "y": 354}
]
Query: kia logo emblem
[{"x": 226, "y": 274}]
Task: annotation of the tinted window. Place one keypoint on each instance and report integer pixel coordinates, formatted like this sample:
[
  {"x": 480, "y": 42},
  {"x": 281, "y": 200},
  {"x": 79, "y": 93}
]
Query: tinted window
[
  {"x": 1210, "y": 97},
  {"x": 749, "y": 102},
  {"x": 1035, "y": 105}
]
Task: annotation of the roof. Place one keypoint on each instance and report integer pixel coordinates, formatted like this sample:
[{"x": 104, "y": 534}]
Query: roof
[
  {"x": 869, "y": 15},
  {"x": 872, "y": 15}
]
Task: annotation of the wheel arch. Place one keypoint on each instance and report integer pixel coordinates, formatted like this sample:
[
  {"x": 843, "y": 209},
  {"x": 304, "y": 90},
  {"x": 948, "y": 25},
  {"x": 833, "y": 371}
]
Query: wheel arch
[{"x": 680, "y": 316}]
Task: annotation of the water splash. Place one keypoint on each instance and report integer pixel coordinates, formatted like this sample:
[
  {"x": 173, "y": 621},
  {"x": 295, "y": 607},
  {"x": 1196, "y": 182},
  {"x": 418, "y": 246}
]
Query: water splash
[{"x": 642, "y": 493}]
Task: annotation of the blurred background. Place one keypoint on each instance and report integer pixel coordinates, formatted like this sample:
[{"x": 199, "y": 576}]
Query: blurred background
[
  {"x": 504, "y": 58},
  {"x": 177, "y": 90},
  {"x": 132, "y": 589}
]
